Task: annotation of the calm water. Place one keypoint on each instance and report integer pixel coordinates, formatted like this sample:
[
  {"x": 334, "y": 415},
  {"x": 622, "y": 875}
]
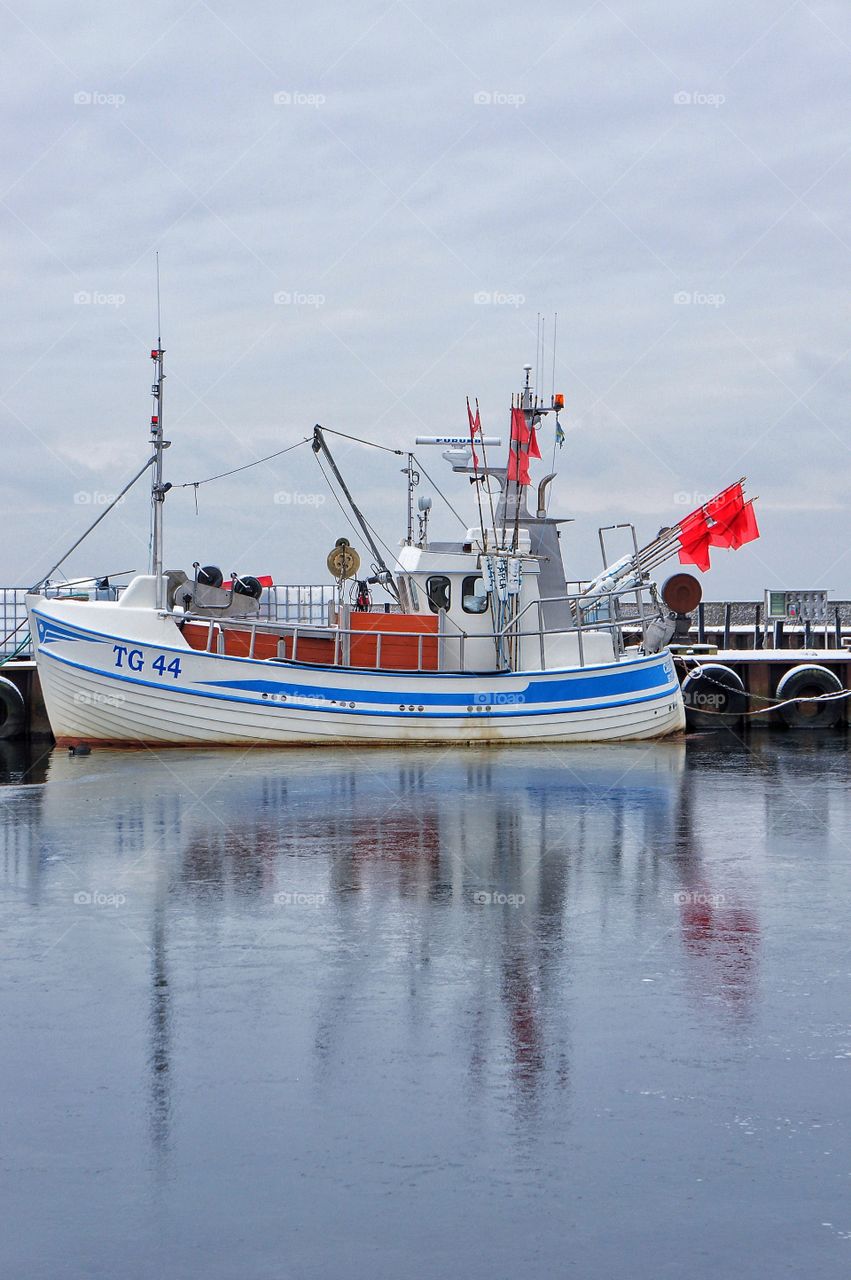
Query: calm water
[{"x": 578, "y": 1012}]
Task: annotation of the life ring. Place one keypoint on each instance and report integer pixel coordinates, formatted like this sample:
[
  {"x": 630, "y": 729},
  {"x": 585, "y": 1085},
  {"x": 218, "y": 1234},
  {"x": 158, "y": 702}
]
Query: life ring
[
  {"x": 13, "y": 711},
  {"x": 809, "y": 681},
  {"x": 714, "y": 696}
]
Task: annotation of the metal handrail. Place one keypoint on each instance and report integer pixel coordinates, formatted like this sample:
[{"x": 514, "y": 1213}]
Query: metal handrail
[
  {"x": 575, "y": 599},
  {"x": 342, "y": 634}
]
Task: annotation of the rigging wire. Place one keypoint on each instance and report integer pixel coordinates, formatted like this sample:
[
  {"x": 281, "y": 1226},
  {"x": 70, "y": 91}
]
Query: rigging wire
[
  {"x": 346, "y": 516},
  {"x": 9, "y": 656},
  {"x": 94, "y": 524},
  {"x": 398, "y": 452},
  {"x": 552, "y": 402},
  {"x": 8, "y": 636},
  {"x": 460, "y": 519},
  {"x": 193, "y": 484},
  {"x": 550, "y": 487},
  {"x": 376, "y": 535},
  {"x": 359, "y": 440},
  {"x": 378, "y": 538}
]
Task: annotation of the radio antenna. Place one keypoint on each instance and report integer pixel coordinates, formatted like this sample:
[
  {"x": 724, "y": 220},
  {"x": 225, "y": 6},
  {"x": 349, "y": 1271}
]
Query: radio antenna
[
  {"x": 158, "y": 488},
  {"x": 555, "y": 336},
  {"x": 539, "y": 389},
  {"x": 159, "y": 314}
]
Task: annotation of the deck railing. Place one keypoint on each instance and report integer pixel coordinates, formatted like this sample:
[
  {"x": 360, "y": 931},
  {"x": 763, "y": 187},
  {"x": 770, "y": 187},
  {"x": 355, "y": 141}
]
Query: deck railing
[
  {"x": 298, "y": 603},
  {"x": 590, "y": 613},
  {"x": 303, "y": 603}
]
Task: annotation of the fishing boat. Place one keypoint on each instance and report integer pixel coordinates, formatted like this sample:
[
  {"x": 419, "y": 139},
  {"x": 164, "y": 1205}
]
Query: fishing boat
[{"x": 477, "y": 641}]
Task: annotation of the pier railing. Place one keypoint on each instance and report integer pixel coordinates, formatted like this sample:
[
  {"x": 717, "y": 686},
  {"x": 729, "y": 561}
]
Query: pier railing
[{"x": 13, "y": 619}]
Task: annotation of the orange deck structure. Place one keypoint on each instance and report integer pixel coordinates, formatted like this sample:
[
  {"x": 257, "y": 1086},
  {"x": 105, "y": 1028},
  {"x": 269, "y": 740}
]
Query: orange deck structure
[{"x": 398, "y": 652}]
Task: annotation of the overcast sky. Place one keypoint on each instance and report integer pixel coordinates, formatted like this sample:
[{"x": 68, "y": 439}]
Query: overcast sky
[{"x": 360, "y": 211}]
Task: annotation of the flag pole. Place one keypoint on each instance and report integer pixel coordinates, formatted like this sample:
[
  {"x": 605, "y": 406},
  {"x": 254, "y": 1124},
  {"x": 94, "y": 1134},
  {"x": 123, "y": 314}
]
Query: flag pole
[
  {"x": 485, "y": 461},
  {"x": 476, "y": 474}
]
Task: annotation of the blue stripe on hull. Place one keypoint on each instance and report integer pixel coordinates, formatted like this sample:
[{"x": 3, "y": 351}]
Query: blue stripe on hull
[{"x": 547, "y": 689}]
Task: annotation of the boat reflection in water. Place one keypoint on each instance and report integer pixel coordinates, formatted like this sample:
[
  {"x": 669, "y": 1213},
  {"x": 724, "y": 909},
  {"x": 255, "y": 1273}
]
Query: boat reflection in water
[
  {"x": 474, "y": 1012},
  {"x": 507, "y": 883}
]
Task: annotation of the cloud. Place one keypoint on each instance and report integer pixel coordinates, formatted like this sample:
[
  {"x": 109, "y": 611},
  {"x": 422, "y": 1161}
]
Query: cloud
[{"x": 578, "y": 182}]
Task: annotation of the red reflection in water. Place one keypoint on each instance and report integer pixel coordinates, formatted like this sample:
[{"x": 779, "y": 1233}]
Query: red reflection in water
[{"x": 726, "y": 939}]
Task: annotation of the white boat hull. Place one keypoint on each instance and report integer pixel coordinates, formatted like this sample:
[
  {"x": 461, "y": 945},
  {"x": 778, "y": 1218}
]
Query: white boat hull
[{"x": 140, "y": 684}]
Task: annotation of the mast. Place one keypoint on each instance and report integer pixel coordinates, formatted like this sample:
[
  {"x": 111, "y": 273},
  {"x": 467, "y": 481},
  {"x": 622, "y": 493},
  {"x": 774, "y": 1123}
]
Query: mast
[
  {"x": 413, "y": 480},
  {"x": 528, "y": 405},
  {"x": 158, "y": 489}
]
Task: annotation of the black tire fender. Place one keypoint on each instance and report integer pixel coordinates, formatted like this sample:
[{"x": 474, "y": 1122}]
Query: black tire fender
[
  {"x": 809, "y": 680},
  {"x": 714, "y": 696},
  {"x": 13, "y": 710}
]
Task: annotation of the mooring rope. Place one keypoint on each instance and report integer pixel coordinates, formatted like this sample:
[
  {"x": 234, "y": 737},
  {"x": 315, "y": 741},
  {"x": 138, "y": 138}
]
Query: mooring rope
[{"x": 774, "y": 703}]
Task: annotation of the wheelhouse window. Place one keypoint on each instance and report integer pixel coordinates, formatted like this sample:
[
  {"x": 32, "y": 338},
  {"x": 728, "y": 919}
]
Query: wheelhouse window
[
  {"x": 439, "y": 592},
  {"x": 474, "y": 597}
]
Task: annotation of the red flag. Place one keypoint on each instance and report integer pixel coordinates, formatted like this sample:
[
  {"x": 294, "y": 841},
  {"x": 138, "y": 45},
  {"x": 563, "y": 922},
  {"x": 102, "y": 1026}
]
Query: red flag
[
  {"x": 518, "y": 468},
  {"x": 475, "y": 425},
  {"x": 266, "y": 580},
  {"x": 518, "y": 456},
  {"x": 724, "y": 511},
  {"x": 519, "y": 429},
  {"x": 733, "y": 493},
  {"x": 744, "y": 528},
  {"x": 695, "y": 541}
]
